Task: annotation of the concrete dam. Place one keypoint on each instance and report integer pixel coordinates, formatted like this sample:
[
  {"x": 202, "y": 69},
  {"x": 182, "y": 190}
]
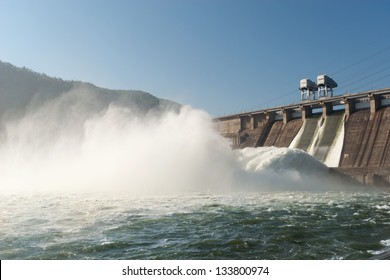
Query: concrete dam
[{"x": 349, "y": 133}]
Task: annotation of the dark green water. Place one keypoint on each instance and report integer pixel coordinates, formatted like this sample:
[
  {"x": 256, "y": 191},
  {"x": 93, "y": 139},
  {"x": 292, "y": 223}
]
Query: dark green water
[{"x": 281, "y": 225}]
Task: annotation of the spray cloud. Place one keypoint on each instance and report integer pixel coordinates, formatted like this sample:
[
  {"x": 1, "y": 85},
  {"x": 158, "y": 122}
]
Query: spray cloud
[{"x": 76, "y": 142}]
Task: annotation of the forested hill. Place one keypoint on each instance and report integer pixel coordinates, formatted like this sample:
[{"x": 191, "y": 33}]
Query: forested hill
[{"x": 21, "y": 88}]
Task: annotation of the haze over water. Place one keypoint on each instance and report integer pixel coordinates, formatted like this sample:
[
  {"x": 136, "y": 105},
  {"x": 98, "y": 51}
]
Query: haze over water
[{"x": 84, "y": 181}]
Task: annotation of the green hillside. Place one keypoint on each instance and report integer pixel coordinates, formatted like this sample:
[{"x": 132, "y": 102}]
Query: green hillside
[{"x": 21, "y": 88}]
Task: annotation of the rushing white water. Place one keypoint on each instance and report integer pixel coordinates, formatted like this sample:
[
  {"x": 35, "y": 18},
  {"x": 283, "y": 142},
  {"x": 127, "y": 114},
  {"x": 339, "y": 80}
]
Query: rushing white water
[
  {"x": 334, "y": 154},
  {"x": 316, "y": 137},
  {"x": 67, "y": 144},
  {"x": 97, "y": 180}
]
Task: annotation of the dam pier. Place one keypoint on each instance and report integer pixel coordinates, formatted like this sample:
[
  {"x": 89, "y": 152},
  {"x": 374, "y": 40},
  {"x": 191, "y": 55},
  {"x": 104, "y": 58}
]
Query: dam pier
[{"x": 349, "y": 133}]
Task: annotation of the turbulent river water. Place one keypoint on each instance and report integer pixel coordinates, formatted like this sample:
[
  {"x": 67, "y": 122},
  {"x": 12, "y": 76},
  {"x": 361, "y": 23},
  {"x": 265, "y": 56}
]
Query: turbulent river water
[
  {"x": 79, "y": 182},
  {"x": 251, "y": 225}
]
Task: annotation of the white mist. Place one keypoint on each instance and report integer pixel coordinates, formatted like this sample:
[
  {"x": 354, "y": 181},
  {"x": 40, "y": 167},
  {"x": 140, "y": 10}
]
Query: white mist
[{"x": 69, "y": 145}]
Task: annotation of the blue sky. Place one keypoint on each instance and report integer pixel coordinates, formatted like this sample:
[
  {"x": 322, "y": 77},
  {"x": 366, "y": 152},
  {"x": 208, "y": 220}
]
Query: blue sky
[{"x": 222, "y": 56}]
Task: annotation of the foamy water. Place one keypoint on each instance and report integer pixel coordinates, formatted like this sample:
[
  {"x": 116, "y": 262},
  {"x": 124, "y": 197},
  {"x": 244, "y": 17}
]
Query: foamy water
[{"x": 257, "y": 225}]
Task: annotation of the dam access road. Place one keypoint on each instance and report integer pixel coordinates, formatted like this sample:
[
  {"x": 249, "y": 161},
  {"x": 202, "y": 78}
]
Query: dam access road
[{"x": 350, "y": 133}]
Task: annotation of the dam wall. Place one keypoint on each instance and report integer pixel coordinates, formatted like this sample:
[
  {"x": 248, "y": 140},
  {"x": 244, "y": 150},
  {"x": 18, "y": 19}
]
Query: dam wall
[
  {"x": 281, "y": 135},
  {"x": 349, "y": 133}
]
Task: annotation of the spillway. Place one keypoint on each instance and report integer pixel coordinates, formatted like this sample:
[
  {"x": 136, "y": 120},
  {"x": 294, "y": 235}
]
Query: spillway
[{"x": 350, "y": 132}]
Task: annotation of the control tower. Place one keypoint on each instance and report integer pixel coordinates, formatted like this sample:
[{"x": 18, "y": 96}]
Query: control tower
[
  {"x": 308, "y": 89},
  {"x": 325, "y": 86}
]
